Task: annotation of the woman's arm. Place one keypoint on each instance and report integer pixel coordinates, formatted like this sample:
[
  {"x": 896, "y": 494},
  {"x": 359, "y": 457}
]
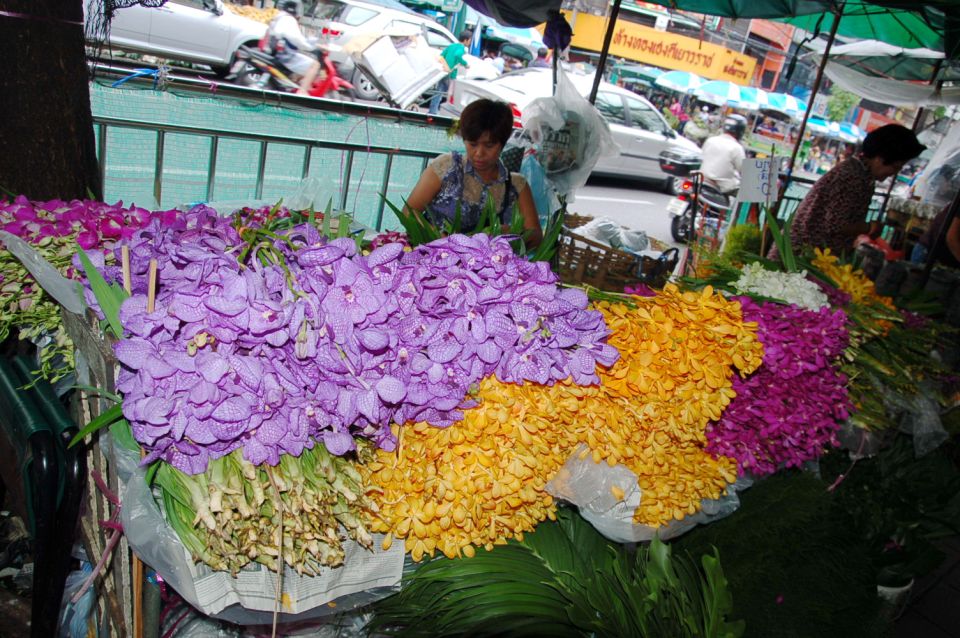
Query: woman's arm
[
  {"x": 532, "y": 233},
  {"x": 423, "y": 193}
]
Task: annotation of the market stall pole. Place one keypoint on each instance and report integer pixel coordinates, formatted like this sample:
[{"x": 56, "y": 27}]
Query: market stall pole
[{"x": 605, "y": 49}]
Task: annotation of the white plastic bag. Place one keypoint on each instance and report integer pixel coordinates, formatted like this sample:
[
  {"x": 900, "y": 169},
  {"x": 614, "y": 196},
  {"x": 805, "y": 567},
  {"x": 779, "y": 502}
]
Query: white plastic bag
[
  {"x": 571, "y": 135},
  {"x": 589, "y": 486}
]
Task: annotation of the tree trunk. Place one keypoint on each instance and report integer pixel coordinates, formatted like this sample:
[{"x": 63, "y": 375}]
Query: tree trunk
[{"x": 47, "y": 149}]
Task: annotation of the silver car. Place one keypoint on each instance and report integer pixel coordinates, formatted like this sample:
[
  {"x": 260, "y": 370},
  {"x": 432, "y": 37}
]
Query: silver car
[
  {"x": 203, "y": 31},
  {"x": 641, "y": 132}
]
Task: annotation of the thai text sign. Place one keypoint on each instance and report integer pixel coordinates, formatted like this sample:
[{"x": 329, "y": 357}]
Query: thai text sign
[
  {"x": 758, "y": 180},
  {"x": 667, "y": 50}
]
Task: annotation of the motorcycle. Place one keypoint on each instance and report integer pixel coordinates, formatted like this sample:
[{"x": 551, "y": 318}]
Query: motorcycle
[
  {"x": 710, "y": 204},
  {"x": 260, "y": 69}
]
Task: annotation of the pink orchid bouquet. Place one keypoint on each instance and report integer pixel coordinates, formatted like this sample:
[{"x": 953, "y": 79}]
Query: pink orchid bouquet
[
  {"x": 790, "y": 410},
  {"x": 54, "y": 228}
]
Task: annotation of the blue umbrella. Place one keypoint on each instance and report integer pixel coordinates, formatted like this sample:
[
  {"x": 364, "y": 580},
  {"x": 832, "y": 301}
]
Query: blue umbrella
[{"x": 682, "y": 81}]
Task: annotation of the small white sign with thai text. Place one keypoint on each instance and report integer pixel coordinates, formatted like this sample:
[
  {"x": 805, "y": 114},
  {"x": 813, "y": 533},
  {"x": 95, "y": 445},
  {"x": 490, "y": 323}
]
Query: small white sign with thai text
[{"x": 758, "y": 180}]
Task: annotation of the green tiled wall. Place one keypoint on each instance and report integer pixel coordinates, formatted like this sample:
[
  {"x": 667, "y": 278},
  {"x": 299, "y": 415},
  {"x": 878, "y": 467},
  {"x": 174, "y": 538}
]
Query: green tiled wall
[{"x": 131, "y": 154}]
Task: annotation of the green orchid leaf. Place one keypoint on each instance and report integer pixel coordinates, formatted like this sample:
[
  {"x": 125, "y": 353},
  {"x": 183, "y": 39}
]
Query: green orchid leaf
[
  {"x": 111, "y": 415},
  {"x": 110, "y": 297}
]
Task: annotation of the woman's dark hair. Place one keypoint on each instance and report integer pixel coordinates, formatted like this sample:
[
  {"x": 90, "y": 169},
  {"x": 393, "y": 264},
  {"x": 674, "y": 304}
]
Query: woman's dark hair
[
  {"x": 892, "y": 143},
  {"x": 486, "y": 116}
]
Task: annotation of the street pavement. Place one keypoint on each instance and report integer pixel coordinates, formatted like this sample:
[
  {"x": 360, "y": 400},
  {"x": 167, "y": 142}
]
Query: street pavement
[{"x": 636, "y": 206}]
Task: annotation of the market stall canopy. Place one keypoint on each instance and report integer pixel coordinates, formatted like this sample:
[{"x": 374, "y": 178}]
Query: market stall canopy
[
  {"x": 872, "y": 57},
  {"x": 517, "y": 13},
  {"x": 638, "y": 72},
  {"x": 887, "y": 91}
]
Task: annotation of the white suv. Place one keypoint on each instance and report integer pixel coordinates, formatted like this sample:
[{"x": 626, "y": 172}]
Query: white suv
[
  {"x": 201, "y": 31},
  {"x": 339, "y": 21}
]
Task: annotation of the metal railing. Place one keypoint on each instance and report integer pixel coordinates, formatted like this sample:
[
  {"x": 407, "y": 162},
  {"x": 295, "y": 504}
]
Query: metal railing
[{"x": 352, "y": 150}]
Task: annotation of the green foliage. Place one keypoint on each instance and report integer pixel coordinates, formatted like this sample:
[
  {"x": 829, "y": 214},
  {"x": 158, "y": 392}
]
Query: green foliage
[
  {"x": 742, "y": 240},
  {"x": 840, "y": 103},
  {"x": 795, "y": 565},
  {"x": 420, "y": 230},
  {"x": 564, "y": 579},
  {"x": 671, "y": 119},
  {"x": 900, "y": 505},
  {"x": 782, "y": 239},
  {"x": 109, "y": 296}
]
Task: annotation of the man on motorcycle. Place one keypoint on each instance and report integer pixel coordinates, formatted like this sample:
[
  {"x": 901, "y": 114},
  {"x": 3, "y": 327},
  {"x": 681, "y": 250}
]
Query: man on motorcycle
[
  {"x": 289, "y": 45},
  {"x": 723, "y": 156}
]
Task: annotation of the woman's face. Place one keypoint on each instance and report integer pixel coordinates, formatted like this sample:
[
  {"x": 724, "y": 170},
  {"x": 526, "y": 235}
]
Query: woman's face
[
  {"x": 880, "y": 169},
  {"x": 483, "y": 152}
]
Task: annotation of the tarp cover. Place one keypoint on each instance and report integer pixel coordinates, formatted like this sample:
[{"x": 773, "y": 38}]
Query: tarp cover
[{"x": 886, "y": 91}]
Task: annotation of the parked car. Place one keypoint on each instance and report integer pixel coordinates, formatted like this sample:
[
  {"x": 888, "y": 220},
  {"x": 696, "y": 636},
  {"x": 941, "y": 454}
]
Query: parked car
[
  {"x": 197, "y": 31},
  {"x": 638, "y": 128},
  {"x": 339, "y": 21}
]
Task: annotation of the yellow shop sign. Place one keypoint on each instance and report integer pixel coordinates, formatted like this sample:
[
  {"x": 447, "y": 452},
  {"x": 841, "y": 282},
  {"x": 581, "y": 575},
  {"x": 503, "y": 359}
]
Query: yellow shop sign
[{"x": 659, "y": 48}]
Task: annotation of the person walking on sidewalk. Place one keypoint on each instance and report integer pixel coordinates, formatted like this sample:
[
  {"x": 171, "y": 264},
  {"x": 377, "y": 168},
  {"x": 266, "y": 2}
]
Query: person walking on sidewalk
[{"x": 453, "y": 57}]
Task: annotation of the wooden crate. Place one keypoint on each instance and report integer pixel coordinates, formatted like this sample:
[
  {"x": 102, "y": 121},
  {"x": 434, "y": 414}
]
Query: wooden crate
[{"x": 97, "y": 367}]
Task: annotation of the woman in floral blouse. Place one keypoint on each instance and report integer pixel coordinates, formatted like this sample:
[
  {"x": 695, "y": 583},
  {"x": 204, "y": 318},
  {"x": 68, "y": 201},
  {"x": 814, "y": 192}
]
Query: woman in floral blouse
[
  {"x": 465, "y": 181},
  {"x": 834, "y": 212}
]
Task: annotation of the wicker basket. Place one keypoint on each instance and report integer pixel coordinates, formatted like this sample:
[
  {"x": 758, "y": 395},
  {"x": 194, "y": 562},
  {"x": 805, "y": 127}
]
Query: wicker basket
[{"x": 585, "y": 261}]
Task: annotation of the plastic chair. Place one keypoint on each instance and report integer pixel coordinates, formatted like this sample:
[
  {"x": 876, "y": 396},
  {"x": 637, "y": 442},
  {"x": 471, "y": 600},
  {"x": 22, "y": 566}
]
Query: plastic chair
[{"x": 39, "y": 429}]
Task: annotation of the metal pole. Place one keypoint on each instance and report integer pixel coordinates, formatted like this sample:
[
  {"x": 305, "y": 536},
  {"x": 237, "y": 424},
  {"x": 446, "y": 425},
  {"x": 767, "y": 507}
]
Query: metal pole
[
  {"x": 604, "y": 50},
  {"x": 813, "y": 94},
  {"x": 158, "y": 169},
  {"x": 917, "y": 121}
]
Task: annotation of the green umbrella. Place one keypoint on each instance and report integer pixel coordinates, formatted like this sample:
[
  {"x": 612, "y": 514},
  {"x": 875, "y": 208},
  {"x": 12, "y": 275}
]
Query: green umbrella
[
  {"x": 934, "y": 24},
  {"x": 638, "y": 72}
]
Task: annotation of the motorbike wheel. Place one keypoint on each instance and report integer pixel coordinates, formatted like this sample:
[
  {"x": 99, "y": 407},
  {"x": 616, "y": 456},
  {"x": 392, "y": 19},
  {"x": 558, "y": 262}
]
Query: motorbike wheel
[
  {"x": 251, "y": 76},
  {"x": 680, "y": 228}
]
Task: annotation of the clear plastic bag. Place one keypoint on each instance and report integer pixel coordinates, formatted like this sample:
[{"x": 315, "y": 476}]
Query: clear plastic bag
[
  {"x": 75, "y": 618},
  {"x": 590, "y": 486},
  {"x": 922, "y": 421},
  {"x": 543, "y": 196},
  {"x": 861, "y": 443},
  {"x": 571, "y": 135}
]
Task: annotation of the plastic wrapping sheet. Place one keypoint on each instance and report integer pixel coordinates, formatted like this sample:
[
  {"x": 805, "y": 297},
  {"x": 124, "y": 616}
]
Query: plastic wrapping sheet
[
  {"x": 922, "y": 421},
  {"x": 587, "y": 485},
  {"x": 365, "y": 577}
]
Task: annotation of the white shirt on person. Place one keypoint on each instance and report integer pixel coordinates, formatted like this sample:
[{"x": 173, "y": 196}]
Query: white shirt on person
[
  {"x": 285, "y": 26},
  {"x": 723, "y": 158}
]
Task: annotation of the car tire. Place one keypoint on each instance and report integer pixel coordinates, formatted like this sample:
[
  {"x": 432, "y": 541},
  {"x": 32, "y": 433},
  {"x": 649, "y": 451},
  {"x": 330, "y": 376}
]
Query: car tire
[
  {"x": 679, "y": 228},
  {"x": 363, "y": 88}
]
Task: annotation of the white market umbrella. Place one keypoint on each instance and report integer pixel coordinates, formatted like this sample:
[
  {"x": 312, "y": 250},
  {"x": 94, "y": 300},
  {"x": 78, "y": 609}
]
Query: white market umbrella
[
  {"x": 788, "y": 104},
  {"x": 752, "y": 98},
  {"x": 851, "y": 133},
  {"x": 682, "y": 81},
  {"x": 818, "y": 126},
  {"x": 719, "y": 92}
]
